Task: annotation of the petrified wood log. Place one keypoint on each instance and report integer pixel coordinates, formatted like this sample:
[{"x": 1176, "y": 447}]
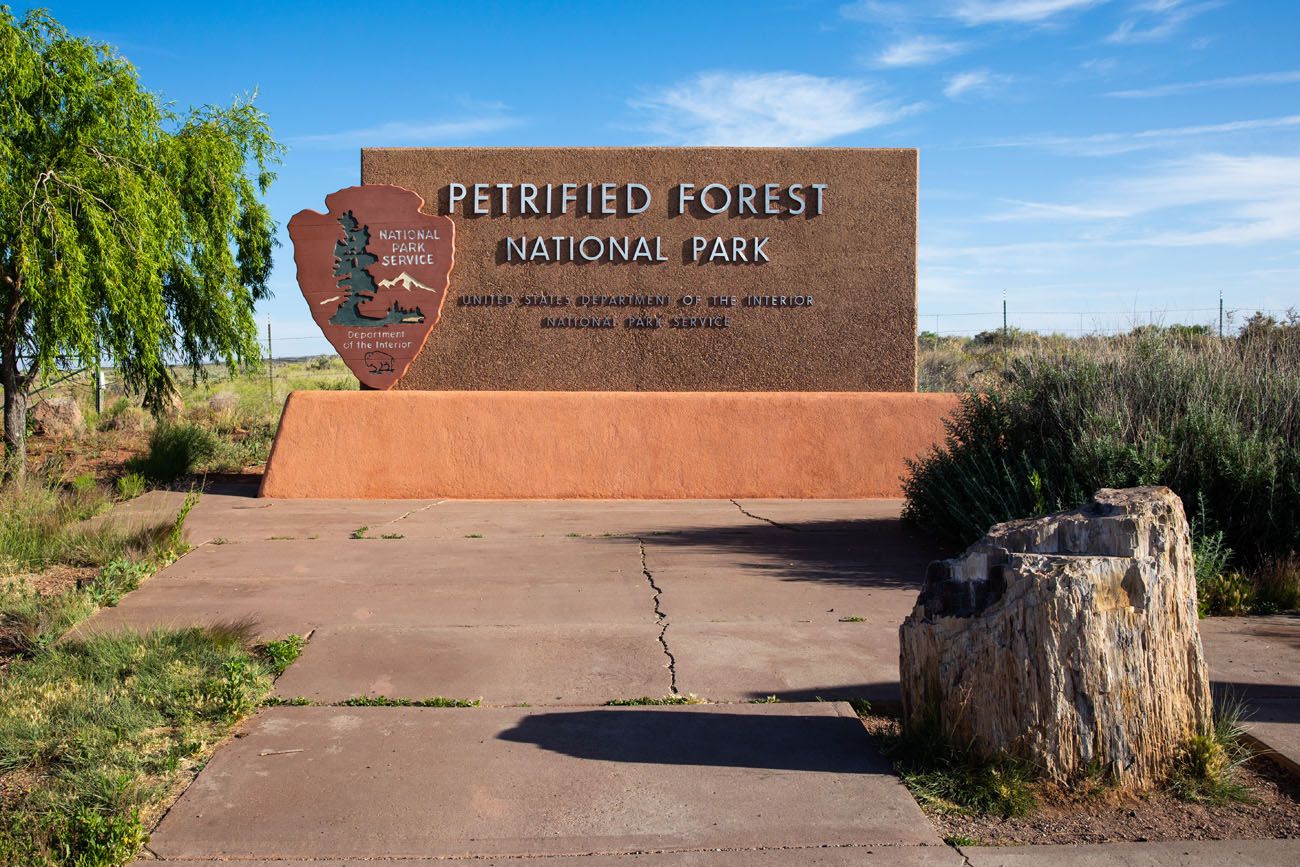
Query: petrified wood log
[{"x": 1068, "y": 641}]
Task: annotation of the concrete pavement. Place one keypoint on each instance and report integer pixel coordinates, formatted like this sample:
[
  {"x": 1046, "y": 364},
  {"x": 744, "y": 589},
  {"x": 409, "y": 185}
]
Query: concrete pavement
[
  {"x": 547, "y": 610},
  {"x": 317, "y": 782}
]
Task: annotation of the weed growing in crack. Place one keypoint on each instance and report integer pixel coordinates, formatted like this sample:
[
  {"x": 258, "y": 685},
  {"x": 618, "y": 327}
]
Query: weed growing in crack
[
  {"x": 283, "y": 653},
  {"x": 769, "y": 699},
  {"x": 690, "y": 698},
  {"x": 385, "y": 701},
  {"x": 853, "y": 619},
  {"x": 392, "y": 536},
  {"x": 473, "y": 535},
  {"x": 360, "y": 532},
  {"x": 277, "y": 701}
]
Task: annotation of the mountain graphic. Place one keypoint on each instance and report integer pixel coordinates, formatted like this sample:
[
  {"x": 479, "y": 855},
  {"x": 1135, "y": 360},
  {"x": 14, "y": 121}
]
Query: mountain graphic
[{"x": 404, "y": 281}]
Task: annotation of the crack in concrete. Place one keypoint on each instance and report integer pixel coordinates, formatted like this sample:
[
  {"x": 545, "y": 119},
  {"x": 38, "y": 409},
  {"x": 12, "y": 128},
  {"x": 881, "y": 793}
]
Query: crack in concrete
[
  {"x": 661, "y": 617},
  {"x": 778, "y": 524},
  {"x": 414, "y": 512}
]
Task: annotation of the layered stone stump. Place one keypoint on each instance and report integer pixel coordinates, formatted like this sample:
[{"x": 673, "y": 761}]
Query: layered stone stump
[{"x": 1069, "y": 641}]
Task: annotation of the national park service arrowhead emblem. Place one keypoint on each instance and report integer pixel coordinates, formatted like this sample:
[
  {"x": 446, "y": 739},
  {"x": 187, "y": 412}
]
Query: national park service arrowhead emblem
[{"x": 375, "y": 272}]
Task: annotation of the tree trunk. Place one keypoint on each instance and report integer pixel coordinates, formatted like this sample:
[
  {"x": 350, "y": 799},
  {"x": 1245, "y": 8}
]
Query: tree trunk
[
  {"x": 1069, "y": 641},
  {"x": 15, "y": 388}
]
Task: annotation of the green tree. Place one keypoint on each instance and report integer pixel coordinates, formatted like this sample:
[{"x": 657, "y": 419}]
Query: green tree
[{"x": 128, "y": 232}]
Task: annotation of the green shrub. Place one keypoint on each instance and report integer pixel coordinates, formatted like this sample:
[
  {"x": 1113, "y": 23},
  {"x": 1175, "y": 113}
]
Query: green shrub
[
  {"x": 1277, "y": 582},
  {"x": 1218, "y": 421},
  {"x": 175, "y": 450}
]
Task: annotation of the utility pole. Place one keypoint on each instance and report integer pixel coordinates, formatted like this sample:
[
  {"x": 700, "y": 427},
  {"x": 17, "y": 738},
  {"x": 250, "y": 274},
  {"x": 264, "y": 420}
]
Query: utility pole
[
  {"x": 99, "y": 389},
  {"x": 1005, "y": 331},
  {"x": 1220, "y": 313}
]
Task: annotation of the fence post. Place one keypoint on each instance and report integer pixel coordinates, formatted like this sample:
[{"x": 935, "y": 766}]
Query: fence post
[
  {"x": 270, "y": 360},
  {"x": 99, "y": 389}
]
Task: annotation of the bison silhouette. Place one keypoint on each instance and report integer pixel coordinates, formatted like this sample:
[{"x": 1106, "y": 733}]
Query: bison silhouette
[{"x": 379, "y": 362}]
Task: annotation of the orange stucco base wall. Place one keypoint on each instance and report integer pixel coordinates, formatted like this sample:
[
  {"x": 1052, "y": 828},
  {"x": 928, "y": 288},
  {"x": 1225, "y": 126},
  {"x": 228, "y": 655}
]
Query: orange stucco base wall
[{"x": 599, "y": 445}]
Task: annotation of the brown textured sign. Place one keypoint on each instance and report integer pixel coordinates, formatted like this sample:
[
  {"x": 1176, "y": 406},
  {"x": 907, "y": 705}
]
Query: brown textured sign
[
  {"x": 375, "y": 272},
  {"x": 670, "y": 269}
]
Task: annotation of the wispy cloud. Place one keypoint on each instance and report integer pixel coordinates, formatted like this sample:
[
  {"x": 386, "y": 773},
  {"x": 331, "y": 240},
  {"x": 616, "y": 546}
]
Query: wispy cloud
[
  {"x": 1109, "y": 143},
  {"x": 976, "y": 12},
  {"x": 1155, "y": 20},
  {"x": 1048, "y": 210},
  {"x": 765, "y": 109},
  {"x": 1207, "y": 199},
  {"x": 1253, "y": 198},
  {"x": 919, "y": 51},
  {"x": 975, "y": 82},
  {"x": 402, "y": 133},
  {"x": 1262, "y": 78}
]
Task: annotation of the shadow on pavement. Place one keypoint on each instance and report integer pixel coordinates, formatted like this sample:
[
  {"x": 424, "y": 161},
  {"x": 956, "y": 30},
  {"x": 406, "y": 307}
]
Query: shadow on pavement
[
  {"x": 883, "y": 692},
  {"x": 1276, "y": 696},
  {"x": 685, "y": 736},
  {"x": 872, "y": 552}
]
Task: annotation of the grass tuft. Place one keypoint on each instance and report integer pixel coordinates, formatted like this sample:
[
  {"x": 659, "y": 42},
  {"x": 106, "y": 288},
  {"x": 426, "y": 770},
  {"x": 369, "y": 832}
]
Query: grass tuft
[
  {"x": 1207, "y": 768},
  {"x": 130, "y": 486},
  {"x": 948, "y": 779}
]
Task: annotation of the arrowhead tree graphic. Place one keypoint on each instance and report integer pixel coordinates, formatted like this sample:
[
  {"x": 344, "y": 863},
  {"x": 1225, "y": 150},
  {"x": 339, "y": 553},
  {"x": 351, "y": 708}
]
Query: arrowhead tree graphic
[{"x": 375, "y": 271}]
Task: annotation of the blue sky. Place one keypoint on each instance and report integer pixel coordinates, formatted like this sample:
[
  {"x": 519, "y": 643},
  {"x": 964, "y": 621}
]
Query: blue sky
[{"x": 1093, "y": 159}]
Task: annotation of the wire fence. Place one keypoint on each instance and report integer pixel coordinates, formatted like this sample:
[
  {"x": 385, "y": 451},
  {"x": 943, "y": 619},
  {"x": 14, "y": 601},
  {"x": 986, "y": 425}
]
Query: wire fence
[
  {"x": 1076, "y": 323},
  {"x": 1080, "y": 323}
]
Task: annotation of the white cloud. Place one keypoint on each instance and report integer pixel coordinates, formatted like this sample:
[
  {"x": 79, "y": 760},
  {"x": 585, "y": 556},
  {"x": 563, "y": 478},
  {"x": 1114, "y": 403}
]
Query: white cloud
[
  {"x": 1051, "y": 211},
  {"x": 976, "y": 12},
  {"x": 919, "y": 51},
  {"x": 1156, "y": 20},
  {"x": 766, "y": 109},
  {"x": 401, "y": 133},
  {"x": 1206, "y": 199},
  {"x": 1255, "y": 198},
  {"x": 976, "y": 82},
  {"x": 1110, "y": 143},
  {"x": 1288, "y": 77}
]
